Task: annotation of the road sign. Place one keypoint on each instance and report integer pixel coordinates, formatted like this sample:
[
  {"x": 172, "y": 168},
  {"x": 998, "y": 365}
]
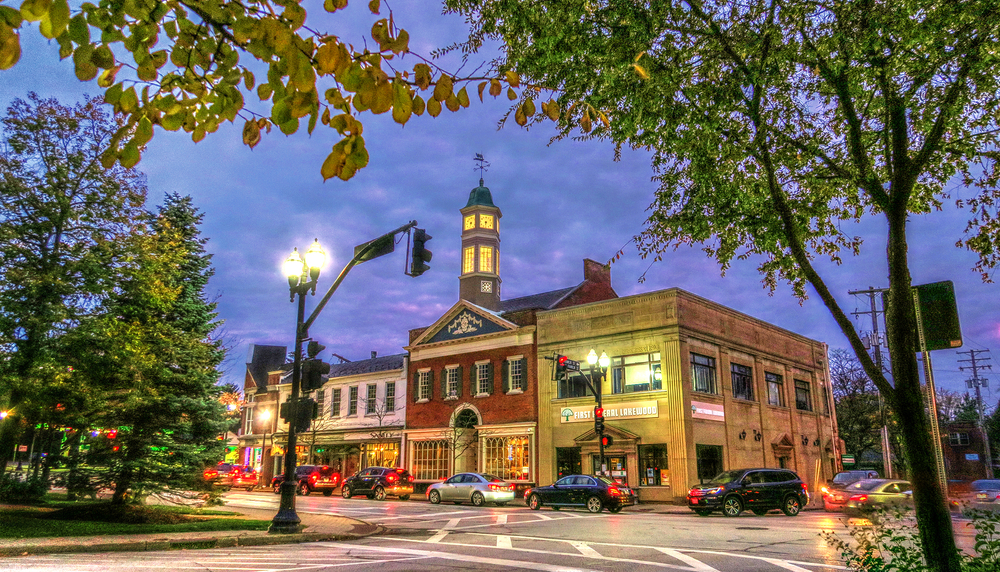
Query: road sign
[
  {"x": 571, "y": 365},
  {"x": 847, "y": 459}
]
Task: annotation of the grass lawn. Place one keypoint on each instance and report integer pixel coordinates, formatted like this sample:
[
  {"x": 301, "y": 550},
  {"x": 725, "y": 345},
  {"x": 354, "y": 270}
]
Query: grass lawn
[{"x": 93, "y": 518}]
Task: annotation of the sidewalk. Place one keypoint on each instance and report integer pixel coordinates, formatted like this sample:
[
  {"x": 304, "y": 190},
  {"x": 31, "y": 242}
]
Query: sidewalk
[{"x": 317, "y": 528}]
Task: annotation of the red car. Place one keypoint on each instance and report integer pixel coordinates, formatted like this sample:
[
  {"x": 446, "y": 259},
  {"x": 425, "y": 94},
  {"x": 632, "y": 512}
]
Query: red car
[{"x": 228, "y": 475}]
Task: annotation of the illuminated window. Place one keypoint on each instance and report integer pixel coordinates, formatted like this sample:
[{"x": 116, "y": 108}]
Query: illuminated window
[
  {"x": 468, "y": 259},
  {"x": 486, "y": 259},
  {"x": 470, "y": 222},
  {"x": 508, "y": 457},
  {"x": 486, "y": 221},
  {"x": 430, "y": 460},
  {"x": 641, "y": 372}
]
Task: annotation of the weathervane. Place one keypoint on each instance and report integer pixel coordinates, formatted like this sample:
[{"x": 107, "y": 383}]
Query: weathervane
[{"x": 483, "y": 166}]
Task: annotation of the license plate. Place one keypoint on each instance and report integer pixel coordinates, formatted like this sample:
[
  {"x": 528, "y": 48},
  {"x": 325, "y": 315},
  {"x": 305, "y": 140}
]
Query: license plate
[{"x": 981, "y": 496}]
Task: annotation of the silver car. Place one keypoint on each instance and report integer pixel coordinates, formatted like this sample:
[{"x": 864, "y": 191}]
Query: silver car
[{"x": 477, "y": 488}]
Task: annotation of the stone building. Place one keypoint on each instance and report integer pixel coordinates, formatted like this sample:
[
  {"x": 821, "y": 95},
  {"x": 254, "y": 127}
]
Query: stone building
[{"x": 693, "y": 388}]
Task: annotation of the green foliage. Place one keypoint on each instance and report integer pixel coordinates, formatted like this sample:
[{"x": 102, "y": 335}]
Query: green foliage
[
  {"x": 16, "y": 491},
  {"x": 888, "y": 542}
]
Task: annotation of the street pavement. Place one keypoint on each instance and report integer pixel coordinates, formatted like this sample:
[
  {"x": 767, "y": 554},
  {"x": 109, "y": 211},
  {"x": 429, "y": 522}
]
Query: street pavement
[{"x": 415, "y": 535}]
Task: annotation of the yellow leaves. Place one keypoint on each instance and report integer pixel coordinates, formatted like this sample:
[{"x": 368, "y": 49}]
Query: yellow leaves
[
  {"x": 513, "y": 79},
  {"x": 585, "y": 124},
  {"x": 422, "y": 75},
  {"x": 433, "y": 107},
  {"x": 641, "y": 71},
  {"x": 102, "y": 57},
  {"x": 443, "y": 88},
  {"x": 524, "y": 112},
  {"x": 346, "y": 124},
  {"x": 143, "y": 132},
  {"x": 604, "y": 120},
  {"x": 511, "y": 94},
  {"x": 382, "y": 33},
  {"x": 529, "y": 107},
  {"x": 332, "y": 57},
  {"x": 551, "y": 110},
  {"x": 495, "y": 87},
  {"x": 418, "y": 105},
  {"x": 463, "y": 98},
  {"x": 295, "y": 15},
  {"x": 334, "y": 5},
  {"x": 129, "y": 156},
  {"x": 374, "y": 6},
  {"x": 482, "y": 87},
  {"x": 452, "y": 103},
  {"x": 10, "y": 16},
  {"x": 54, "y": 22},
  {"x": 83, "y": 66},
  {"x": 107, "y": 77},
  {"x": 345, "y": 158},
  {"x": 402, "y": 102},
  {"x": 35, "y": 10},
  {"x": 10, "y": 47},
  {"x": 251, "y": 133}
]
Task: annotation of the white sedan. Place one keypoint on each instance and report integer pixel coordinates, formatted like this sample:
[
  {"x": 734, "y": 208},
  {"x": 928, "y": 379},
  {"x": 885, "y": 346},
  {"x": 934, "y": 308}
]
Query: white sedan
[{"x": 475, "y": 488}]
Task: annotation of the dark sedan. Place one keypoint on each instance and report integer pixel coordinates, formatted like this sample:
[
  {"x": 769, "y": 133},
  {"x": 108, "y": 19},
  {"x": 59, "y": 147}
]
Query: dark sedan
[{"x": 592, "y": 493}]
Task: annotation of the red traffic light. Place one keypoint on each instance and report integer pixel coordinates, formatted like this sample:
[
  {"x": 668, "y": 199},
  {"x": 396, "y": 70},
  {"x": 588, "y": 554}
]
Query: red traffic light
[
  {"x": 599, "y": 412},
  {"x": 562, "y": 360},
  {"x": 607, "y": 440}
]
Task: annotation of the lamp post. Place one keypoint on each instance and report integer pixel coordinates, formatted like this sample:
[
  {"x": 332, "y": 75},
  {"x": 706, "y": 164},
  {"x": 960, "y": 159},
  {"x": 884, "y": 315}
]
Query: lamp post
[
  {"x": 302, "y": 278},
  {"x": 602, "y": 362},
  {"x": 265, "y": 416}
]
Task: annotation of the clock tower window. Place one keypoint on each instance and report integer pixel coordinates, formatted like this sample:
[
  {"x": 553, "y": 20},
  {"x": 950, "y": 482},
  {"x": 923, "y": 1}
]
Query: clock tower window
[
  {"x": 468, "y": 260},
  {"x": 486, "y": 259}
]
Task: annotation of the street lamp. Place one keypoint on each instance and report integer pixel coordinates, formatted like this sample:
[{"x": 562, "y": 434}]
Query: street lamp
[
  {"x": 602, "y": 362},
  {"x": 265, "y": 416},
  {"x": 302, "y": 278}
]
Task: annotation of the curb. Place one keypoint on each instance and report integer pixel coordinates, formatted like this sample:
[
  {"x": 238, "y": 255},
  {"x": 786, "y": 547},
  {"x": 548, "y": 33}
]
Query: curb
[{"x": 186, "y": 543}]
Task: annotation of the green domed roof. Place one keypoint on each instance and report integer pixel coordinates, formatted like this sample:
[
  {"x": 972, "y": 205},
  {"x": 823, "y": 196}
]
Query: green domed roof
[{"x": 480, "y": 196}]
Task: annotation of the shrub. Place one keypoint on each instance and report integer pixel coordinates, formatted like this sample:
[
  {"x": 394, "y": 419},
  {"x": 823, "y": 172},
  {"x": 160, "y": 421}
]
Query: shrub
[{"x": 16, "y": 491}]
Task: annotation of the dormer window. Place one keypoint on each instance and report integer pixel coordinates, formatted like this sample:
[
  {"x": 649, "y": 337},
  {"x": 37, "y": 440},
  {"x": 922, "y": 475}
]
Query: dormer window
[
  {"x": 470, "y": 222},
  {"x": 486, "y": 221}
]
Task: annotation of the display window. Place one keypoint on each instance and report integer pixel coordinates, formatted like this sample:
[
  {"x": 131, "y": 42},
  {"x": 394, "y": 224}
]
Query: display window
[{"x": 654, "y": 469}]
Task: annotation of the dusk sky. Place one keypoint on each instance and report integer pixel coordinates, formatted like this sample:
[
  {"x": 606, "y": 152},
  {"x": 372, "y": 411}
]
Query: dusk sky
[{"x": 561, "y": 203}]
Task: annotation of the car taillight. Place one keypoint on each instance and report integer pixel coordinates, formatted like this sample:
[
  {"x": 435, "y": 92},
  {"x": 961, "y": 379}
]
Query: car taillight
[
  {"x": 410, "y": 478},
  {"x": 313, "y": 478},
  {"x": 805, "y": 488},
  {"x": 859, "y": 498},
  {"x": 613, "y": 491},
  {"x": 211, "y": 474},
  {"x": 498, "y": 487},
  {"x": 824, "y": 490},
  {"x": 390, "y": 478},
  {"x": 527, "y": 492}
]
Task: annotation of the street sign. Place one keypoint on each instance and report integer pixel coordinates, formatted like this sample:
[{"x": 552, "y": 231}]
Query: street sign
[
  {"x": 847, "y": 459},
  {"x": 571, "y": 365}
]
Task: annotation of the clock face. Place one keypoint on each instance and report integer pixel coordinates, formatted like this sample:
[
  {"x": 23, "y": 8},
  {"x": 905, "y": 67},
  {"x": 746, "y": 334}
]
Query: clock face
[
  {"x": 486, "y": 286},
  {"x": 486, "y": 221},
  {"x": 470, "y": 222}
]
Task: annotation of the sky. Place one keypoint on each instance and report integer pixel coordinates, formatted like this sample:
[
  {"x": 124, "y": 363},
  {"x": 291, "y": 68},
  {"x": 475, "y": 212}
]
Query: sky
[{"x": 561, "y": 202}]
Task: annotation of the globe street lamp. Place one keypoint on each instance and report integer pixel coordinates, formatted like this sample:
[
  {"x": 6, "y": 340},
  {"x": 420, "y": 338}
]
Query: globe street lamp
[
  {"x": 264, "y": 416},
  {"x": 602, "y": 362},
  {"x": 302, "y": 278}
]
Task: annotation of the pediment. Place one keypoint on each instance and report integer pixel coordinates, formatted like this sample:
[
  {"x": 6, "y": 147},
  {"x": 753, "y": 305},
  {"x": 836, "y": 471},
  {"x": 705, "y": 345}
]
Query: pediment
[
  {"x": 464, "y": 320},
  {"x": 617, "y": 433},
  {"x": 783, "y": 441}
]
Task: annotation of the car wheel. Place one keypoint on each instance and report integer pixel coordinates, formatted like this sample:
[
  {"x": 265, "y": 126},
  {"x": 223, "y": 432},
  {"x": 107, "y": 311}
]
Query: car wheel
[
  {"x": 379, "y": 493},
  {"x": 792, "y": 505},
  {"x": 594, "y": 504},
  {"x": 404, "y": 497},
  {"x": 760, "y": 511},
  {"x": 434, "y": 497},
  {"x": 345, "y": 492},
  {"x": 304, "y": 489},
  {"x": 534, "y": 503},
  {"x": 615, "y": 510},
  {"x": 732, "y": 506},
  {"x": 277, "y": 488},
  {"x": 328, "y": 492},
  {"x": 478, "y": 499},
  {"x": 702, "y": 512}
]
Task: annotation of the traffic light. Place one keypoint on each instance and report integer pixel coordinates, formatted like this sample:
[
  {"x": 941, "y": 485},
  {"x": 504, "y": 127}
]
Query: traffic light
[
  {"x": 285, "y": 411},
  {"x": 313, "y": 349},
  {"x": 599, "y": 419},
  {"x": 560, "y": 366},
  {"x": 607, "y": 440},
  {"x": 307, "y": 410},
  {"x": 313, "y": 371},
  {"x": 420, "y": 255}
]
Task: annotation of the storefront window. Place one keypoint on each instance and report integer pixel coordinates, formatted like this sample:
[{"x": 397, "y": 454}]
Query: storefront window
[
  {"x": 430, "y": 460},
  {"x": 574, "y": 386},
  {"x": 709, "y": 461},
  {"x": 630, "y": 374},
  {"x": 508, "y": 457},
  {"x": 703, "y": 374},
  {"x": 379, "y": 455},
  {"x": 568, "y": 461},
  {"x": 616, "y": 467},
  {"x": 653, "y": 466}
]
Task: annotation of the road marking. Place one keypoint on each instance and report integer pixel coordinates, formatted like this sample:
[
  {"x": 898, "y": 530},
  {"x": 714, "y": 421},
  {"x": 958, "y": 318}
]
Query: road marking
[
  {"x": 694, "y": 563},
  {"x": 785, "y": 565},
  {"x": 453, "y": 523},
  {"x": 522, "y": 564},
  {"x": 585, "y": 549},
  {"x": 504, "y": 542},
  {"x": 501, "y": 519},
  {"x": 424, "y": 516},
  {"x": 438, "y": 537}
]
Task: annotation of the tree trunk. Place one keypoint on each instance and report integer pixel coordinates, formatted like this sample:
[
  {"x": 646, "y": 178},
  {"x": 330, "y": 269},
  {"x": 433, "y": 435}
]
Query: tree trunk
[{"x": 73, "y": 477}]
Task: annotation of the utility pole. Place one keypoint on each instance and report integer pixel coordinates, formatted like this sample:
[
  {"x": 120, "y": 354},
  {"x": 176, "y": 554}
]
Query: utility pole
[
  {"x": 875, "y": 343},
  {"x": 978, "y": 382}
]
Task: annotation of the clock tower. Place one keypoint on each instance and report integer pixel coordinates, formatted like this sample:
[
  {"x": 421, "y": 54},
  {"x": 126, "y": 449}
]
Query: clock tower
[{"x": 479, "y": 281}]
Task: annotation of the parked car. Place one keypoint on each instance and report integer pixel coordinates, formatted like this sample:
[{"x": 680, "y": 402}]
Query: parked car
[
  {"x": 834, "y": 497},
  {"x": 592, "y": 492},
  {"x": 378, "y": 483},
  {"x": 872, "y": 494},
  {"x": 311, "y": 478},
  {"x": 984, "y": 495},
  {"x": 228, "y": 475},
  {"x": 757, "y": 490},
  {"x": 477, "y": 488}
]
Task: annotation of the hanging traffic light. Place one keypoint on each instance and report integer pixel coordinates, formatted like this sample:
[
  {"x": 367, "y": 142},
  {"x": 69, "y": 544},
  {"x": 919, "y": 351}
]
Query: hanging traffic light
[
  {"x": 607, "y": 440},
  {"x": 564, "y": 365},
  {"x": 306, "y": 411},
  {"x": 420, "y": 255},
  {"x": 599, "y": 419},
  {"x": 313, "y": 371},
  {"x": 313, "y": 349}
]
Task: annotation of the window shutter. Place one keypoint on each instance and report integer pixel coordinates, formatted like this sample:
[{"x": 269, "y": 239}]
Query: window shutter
[
  {"x": 430, "y": 386},
  {"x": 505, "y": 375},
  {"x": 461, "y": 382},
  {"x": 524, "y": 374},
  {"x": 416, "y": 386},
  {"x": 491, "y": 382},
  {"x": 444, "y": 383}
]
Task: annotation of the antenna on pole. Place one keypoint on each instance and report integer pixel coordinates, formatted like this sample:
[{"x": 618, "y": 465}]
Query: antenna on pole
[{"x": 482, "y": 167}]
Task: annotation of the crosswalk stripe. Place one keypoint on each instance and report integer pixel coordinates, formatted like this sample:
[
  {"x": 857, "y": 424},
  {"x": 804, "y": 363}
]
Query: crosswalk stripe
[
  {"x": 501, "y": 519},
  {"x": 694, "y": 563},
  {"x": 504, "y": 542},
  {"x": 438, "y": 537},
  {"x": 585, "y": 549}
]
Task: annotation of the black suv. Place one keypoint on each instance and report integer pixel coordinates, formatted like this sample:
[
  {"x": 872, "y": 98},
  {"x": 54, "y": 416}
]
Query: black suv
[
  {"x": 378, "y": 483},
  {"x": 758, "y": 490},
  {"x": 311, "y": 478}
]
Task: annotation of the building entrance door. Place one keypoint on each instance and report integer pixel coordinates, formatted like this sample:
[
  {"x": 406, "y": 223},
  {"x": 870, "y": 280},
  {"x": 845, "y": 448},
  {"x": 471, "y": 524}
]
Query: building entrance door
[{"x": 617, "y": 469}]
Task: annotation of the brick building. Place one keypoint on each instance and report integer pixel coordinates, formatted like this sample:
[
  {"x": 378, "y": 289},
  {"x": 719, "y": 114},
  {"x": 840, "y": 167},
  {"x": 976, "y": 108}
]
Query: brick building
[{"x": 473, "y": 380}]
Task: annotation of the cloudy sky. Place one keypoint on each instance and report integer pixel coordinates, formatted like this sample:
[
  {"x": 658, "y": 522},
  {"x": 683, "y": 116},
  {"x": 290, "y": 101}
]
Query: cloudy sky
[{"x": 561, "y": 203}]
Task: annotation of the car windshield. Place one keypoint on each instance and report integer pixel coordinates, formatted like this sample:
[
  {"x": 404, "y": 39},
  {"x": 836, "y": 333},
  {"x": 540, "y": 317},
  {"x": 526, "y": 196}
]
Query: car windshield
[
  {"x": 986, "y": 484},
  {"x": 606, "y": 480},
  {"x": 325, "y": 471},
  {"x": 847, "y": 478},
  {"x": 224, "y": 467},
  {"x": 866, "y": 485},
  {"x": 723, "y": 478},
  {"x": 492, "y": 478}
]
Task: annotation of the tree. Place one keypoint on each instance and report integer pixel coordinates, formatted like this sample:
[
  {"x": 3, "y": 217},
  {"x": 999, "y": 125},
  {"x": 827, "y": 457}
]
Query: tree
[
  {"x": 61, "y": 217},
  {"x": 859, "y": 419},
  {"x": 194, "y": 65},
  {"x": 775, "y": 126}
]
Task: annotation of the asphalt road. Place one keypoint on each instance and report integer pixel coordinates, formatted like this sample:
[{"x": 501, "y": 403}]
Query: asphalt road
[{"x": 429, "y": 537}]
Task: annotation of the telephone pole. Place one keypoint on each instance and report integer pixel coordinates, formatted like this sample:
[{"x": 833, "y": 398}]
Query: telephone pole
[
  {"x": 978, "y": 382},
  {"x": 875, "y": 343}
]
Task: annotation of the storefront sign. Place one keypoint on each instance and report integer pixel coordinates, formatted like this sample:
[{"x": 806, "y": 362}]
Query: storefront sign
[
  {"x": 972, "y": 456},
  {"x": 708, "y": 411},
  {"x": 631, "y": 410}
]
